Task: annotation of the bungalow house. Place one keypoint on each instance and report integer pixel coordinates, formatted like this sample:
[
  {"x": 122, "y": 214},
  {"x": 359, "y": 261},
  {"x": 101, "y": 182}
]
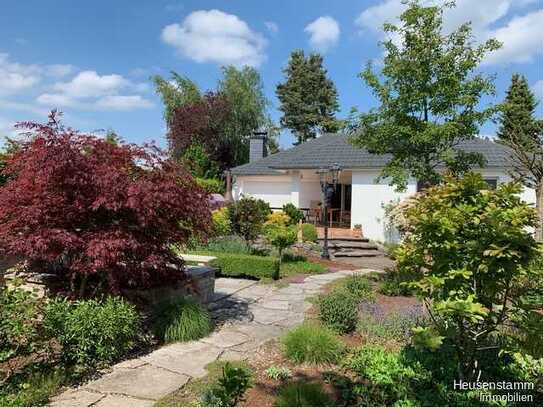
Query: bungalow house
[{"x": 291, "y": 176}]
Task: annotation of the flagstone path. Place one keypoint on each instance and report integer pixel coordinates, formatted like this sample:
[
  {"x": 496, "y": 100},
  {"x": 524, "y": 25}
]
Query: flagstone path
[{"x": 247, "y": 314}]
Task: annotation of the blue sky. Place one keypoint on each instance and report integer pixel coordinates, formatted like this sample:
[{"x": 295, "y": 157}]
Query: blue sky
[{"x": 93, "y": 60}]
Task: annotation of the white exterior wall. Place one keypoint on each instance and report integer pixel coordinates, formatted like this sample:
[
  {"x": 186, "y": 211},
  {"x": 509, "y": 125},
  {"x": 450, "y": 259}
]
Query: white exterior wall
[
  {"x": 276, "y": 190},
  {"x": 368, "y": 199},
  {"x": 299, "y": 188}
]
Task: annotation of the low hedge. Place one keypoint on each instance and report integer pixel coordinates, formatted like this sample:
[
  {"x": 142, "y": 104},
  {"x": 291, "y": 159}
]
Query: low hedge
[{"x": 244, "y": 265}]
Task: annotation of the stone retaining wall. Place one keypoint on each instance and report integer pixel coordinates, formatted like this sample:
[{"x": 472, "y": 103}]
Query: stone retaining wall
[{"x": 200, "y": 286}]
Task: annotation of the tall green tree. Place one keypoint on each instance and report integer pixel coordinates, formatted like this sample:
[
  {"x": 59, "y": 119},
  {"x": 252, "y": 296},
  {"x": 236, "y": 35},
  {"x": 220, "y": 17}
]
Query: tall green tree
[
  {"x": 523, "y": 133},
  {"x": 429, "y": 97},
  {"x": 244, "y": 90},
  {"x": 177, "y": 92},
  {"x": 308, "y": 97}
]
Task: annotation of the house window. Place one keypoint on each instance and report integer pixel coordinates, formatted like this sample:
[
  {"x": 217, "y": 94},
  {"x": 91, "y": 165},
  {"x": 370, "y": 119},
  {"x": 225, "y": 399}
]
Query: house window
[{"x": 491, "y": 182}]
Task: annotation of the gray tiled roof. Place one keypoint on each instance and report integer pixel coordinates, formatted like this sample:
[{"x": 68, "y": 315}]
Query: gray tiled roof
[{"x": 335, "y": 149}]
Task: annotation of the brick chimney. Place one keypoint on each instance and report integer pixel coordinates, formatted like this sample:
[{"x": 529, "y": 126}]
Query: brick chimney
[{"x": 257, "y": 145}]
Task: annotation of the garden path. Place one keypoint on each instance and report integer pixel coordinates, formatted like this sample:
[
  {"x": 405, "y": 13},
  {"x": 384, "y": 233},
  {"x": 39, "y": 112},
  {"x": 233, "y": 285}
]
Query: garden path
[{"x": 247, "y": 314}]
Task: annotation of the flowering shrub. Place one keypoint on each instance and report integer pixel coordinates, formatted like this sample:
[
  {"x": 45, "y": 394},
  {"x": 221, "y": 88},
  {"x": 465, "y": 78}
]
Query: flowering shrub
[
  {"x": 277, "y": 219},
  {"x": 221, "y": 222},
  {"x": 97, "y": 213}
]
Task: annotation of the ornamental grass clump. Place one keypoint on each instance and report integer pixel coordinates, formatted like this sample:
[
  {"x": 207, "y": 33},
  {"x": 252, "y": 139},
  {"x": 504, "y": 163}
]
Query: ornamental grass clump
[
  {"x": 312, "y": 343},
  {"x": 303, "y": 395},
  {"x": 181, "y": 320}
]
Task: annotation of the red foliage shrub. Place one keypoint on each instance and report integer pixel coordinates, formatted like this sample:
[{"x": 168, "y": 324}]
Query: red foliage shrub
[
  {"x": 98, "y": 213},
  {"x": 203, "y": 123}
]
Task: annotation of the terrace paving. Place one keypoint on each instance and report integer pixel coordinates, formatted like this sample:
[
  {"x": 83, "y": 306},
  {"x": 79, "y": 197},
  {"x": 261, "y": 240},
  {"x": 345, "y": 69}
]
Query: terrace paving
[{"x": 247, "y": 314}]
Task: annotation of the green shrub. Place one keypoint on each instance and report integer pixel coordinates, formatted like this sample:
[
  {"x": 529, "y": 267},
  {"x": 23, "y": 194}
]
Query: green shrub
[
  {"x": 198, "y": 162},
  {"x": 277, "y": 219},
  {"x": 295, "y": 215},
  {"x": 339, "y": 311},
  {"x": 181, "y": 320},
  {"x": 278, "y": 373},
  {"x": 245, "y": 265},
  {"x": 312, "y": 343},
  {"x": 281, "y": 238},
  {"x": 390, "y": 378},
  {"x": 359, "y": 287},
  {"x": 226, "y": 244},
  {"x": 20, "y": 323},
  {"x": 309, "y": 233},
  {"x": 211, "y": 185},
  {"x": 473, "y": 248},
  {"x": 221, "y": 222},
  {"x": 395, "y": 283},
  {"x": 303, "y": 395},
  {"x": 247, "y": 216},
  {"x": 92, "y": 332},
  {"x": 229, "y": 390}
]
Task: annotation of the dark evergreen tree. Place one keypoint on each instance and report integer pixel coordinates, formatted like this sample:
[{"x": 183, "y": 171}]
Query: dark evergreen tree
[
  {"x": 522, "y": 132},
  {"x": 308, "y": 97}
]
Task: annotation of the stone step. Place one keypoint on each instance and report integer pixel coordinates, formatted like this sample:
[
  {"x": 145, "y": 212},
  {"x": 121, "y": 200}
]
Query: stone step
[
  {"x": 352, "y": 245},
  {"x": 356, "y": 253},
  {"x": 345, "y": 239}
]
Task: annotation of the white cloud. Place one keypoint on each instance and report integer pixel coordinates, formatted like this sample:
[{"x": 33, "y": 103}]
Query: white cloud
[
  {"x": 518, "y": 34},
  {"x": 90, "y": 84},
  {"x": 120, "y": 102},
  {"x": 215, "y": 36},
  {"x": 89, "y": 90},
  {"x": 15, "y": 77},
  {"x": 324, "y": 33},
  {"x": 271, "y": 26},
  {"x": 521, "y": 39},
  {"x": 538, "y": 89}
]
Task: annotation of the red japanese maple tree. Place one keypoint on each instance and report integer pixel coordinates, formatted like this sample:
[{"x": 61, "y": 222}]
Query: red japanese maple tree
[
  {"x": 203, "y": 122},
  {"x": 98, "y": 214}
]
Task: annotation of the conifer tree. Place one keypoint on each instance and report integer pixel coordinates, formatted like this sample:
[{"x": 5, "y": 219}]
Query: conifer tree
[
  {"x": 522, "y": 132},
  {"x": 308, "y": 97}
]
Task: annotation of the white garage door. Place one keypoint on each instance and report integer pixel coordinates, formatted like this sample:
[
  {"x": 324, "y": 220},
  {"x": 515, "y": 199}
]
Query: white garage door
[{"x": 275, "y": 193}]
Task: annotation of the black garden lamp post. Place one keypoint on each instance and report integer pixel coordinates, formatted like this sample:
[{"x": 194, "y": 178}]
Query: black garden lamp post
[{"x": 328, "y": 179}]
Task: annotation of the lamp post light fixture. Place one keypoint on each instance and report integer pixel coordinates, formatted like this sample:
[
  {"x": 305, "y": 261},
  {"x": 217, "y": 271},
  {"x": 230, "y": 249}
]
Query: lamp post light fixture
[{"x": 328, "y": 178}]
